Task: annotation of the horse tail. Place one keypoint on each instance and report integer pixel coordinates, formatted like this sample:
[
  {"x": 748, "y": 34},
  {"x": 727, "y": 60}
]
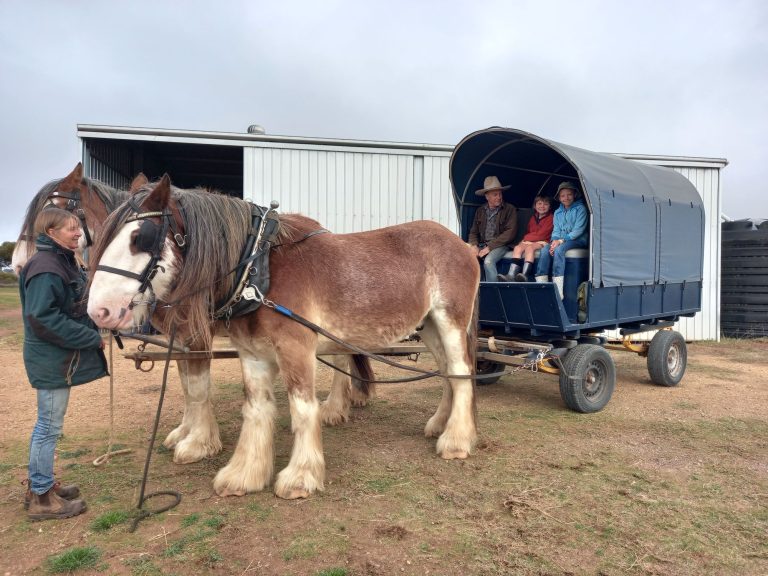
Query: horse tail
[{"x": 362, "y": 373}]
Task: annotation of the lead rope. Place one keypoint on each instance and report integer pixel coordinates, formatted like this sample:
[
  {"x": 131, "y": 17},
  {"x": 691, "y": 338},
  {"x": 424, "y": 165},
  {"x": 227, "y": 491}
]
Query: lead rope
[
  {"x": 104, "y": 458},
  {"x": 176, "y": 495}
]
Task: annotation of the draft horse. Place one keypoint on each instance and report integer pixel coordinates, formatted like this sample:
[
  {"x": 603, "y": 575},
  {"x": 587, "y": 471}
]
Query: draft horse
[
  {"x": 89, "y": 199},
  {"x": 369, "y": 288},
  {"x": 92, "y": 201}
]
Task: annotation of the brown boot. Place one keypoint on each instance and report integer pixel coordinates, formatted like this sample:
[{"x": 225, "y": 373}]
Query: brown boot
[
  {"x": 51, "y": 506},
  {"x": 67, "y": 492}
]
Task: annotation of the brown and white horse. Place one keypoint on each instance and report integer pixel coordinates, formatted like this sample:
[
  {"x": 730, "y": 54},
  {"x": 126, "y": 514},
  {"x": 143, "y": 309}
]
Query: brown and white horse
[
  {"x": 369, "y": 288},
  {"x": 89, "y": 199},
  {"x": 191, "y": 442}
]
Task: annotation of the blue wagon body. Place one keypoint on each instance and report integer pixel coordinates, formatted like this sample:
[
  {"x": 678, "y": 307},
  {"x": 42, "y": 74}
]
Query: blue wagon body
[{"x": 643, "y": 266}]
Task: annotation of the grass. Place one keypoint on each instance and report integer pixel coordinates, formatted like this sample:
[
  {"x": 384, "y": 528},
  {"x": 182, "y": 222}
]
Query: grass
[
  {"x": 9, "y": 296},
  {"x": 74, "y": 559},
  {"x": 109, "y": 520}
]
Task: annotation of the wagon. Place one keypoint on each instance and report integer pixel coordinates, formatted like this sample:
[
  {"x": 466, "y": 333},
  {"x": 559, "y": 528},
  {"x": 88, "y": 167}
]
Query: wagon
[{"x": 641, "y": 271}]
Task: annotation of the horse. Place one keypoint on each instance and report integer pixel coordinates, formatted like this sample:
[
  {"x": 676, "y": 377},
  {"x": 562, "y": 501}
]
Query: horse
[
  {"x": 93, "y": 200},
  {"x": 368, "y": 288},
  {"x": 89, "y": 199}
]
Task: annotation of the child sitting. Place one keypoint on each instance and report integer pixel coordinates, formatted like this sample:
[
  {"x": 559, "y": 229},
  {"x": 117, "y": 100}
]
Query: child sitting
[{"x": 537, "y": 235}]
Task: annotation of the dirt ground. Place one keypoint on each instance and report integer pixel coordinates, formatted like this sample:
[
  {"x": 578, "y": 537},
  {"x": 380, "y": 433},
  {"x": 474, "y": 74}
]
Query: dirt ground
[{"x": 548, "y": 492}]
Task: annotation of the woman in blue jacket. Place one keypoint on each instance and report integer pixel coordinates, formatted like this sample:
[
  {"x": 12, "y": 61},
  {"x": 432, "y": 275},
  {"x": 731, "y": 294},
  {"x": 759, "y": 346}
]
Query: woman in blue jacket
[
  {"x": 62, "y": 348},
  {"x": 570, "y": 231}
]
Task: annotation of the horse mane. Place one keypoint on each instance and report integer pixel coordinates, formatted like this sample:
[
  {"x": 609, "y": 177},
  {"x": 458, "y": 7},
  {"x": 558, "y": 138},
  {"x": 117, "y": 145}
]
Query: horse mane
[{"x": 110, "y": 197}]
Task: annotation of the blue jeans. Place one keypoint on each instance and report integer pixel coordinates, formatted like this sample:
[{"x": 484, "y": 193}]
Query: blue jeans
[
  {"x": 556, "y": 262},
  {"x": 490, "y": 261},
  {"x": 51, "y": 407}
]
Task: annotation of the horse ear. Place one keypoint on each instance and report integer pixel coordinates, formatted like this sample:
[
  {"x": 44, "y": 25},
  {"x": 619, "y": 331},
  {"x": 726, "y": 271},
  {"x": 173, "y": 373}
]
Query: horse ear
[
  {"x": 139, "y": 181},
  {"x": 159, "y": 197},
  {"x": 73, "y": 179}
]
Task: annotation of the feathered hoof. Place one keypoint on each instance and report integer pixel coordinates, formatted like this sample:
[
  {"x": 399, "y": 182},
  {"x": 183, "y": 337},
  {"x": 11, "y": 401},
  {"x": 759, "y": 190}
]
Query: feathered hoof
[
  {"x": 227, "y": 492},
  {"x": 175, "y": 436},
  {"x": 291, "y": 486},
  {"x": 434, "y": 427},
  {"x": 454, "y": 455},
  {"x": 453, "y": 448},
  {"x": 187, "y": 451},
  {"x": 330, "y": 417},
  {"x": 294, "y": 494},
  {"x": 231, "y": 481}
]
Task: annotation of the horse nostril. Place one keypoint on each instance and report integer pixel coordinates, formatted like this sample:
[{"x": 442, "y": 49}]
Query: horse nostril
[{"x": 103, "y": 313}]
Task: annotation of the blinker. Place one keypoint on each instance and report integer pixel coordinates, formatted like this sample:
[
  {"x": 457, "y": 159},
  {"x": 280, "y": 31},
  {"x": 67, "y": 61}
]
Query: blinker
[{"x": 149, "y": 238}]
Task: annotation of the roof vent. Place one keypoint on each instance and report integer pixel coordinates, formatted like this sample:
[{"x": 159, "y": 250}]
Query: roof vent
[{"x": 256, "y": 129}]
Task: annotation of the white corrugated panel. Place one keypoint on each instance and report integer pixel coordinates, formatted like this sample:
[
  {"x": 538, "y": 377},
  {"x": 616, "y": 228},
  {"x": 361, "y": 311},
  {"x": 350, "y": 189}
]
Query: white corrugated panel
[{"x": 352, "y": 190}]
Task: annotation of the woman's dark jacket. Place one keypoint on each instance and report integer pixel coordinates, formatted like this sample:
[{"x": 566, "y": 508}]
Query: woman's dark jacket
[{"x": 61, "y": 344}]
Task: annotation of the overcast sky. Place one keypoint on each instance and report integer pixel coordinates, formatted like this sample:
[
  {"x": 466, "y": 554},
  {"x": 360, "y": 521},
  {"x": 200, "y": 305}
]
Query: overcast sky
[{"x": 685, "y": 78}]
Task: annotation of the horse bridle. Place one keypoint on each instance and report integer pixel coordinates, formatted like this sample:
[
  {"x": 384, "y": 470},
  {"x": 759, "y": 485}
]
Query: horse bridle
[
  {"x": 150, "y": 239},
  {"x": 73, "y": 206}
]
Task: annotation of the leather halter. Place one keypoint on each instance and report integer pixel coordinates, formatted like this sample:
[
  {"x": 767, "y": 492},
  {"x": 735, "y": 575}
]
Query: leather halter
[
  {"x": 151, "y": 239},
  {"x": 73, "y": 206}
]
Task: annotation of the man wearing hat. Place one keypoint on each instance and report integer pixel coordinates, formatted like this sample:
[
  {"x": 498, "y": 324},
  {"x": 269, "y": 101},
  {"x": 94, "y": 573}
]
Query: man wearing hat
[
  {"x": 570, "y": 231},
  {"x": 494, "y": 226}
]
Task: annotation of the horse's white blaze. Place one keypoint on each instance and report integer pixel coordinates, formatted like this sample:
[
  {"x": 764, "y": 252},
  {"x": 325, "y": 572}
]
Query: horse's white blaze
[
  {"x": 111, "y": 294},
  {"x": 305, "y": 472}
]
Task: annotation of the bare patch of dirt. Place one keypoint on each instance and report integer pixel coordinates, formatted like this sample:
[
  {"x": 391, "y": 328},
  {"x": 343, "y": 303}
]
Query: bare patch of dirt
[{"x": 662, "y": 481}]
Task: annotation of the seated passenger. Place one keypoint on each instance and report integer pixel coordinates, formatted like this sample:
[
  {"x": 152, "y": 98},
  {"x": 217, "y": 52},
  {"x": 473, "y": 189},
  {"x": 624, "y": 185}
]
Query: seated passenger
[
  {"x": 536, "y": 236},
  {"x": 494, "y": 226},
  {"x": 570, "y": 231}
]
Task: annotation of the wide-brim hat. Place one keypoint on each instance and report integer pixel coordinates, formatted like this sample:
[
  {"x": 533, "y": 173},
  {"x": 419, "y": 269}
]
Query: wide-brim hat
[{"x": 490, "y": 184}]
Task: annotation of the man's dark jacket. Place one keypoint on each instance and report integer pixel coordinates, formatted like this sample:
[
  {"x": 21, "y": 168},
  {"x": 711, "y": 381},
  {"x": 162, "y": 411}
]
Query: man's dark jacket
[
  {"x": 61, "y": 344},
  {"x": 506, "y": 227}
]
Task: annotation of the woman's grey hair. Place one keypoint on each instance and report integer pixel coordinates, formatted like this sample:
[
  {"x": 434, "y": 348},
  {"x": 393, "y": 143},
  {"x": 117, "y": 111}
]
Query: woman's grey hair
[{"x": 55, "y": 218}]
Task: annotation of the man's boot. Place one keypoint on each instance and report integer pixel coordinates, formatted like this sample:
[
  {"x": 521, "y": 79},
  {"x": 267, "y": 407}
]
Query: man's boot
[
  {"x": 542, "y": 279},
  {"x": 514, "y": 268},
  {"x": 523, "y": 276},
  {"x": 67, "y": 492},
  {"x": 51, "y": 506},
  {"x": 558, "y": 280}
]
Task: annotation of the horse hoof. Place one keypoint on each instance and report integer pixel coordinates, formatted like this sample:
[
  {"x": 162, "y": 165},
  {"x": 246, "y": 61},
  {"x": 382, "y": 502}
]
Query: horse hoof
[
  {"x": 294, "y": 494},
  {"x": 224, "y": 492},
  {"x": 454, "y": 455}
]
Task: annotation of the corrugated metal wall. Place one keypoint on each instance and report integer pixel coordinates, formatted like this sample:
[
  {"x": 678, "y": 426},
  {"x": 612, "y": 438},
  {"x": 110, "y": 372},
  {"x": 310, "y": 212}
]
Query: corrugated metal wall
[
  {"x": 109, "y": 162},
  {"x": 351, "y": 191}
]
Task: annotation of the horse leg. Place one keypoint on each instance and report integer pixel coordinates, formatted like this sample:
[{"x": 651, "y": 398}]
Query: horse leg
[
  {"x": 431, "y": 338},
  {"x": 335, "y": 409},
  {"x": 197, "y": 436},
  {"x": 305, "y": 472},
  {"x": 252, "y": 464},
  {"x": 460, "y": 434}
]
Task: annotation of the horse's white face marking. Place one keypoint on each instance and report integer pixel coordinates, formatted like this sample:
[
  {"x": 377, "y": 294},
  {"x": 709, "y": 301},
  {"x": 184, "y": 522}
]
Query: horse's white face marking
[{"x": 111, "y": 294}]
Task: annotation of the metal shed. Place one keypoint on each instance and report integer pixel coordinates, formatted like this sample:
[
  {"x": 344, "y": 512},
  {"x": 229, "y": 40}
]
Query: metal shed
[{"x": 350, "y": 185}]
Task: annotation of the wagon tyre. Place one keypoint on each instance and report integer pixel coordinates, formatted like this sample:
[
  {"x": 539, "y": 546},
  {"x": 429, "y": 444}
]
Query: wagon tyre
[
  {"x": 587, "y": 378},
  {"x": 667, "y": 358},
  {"x": 488, "y": 367}
]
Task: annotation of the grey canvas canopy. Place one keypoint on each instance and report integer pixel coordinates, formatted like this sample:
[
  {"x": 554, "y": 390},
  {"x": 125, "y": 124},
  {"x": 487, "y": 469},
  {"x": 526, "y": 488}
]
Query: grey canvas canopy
[{"x": 646, "y": 222}]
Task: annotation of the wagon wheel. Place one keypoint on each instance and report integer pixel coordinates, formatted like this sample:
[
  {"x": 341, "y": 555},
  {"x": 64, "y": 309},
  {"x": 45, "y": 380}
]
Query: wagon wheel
[
  {"x": 588, "y": 378},
  {"x": 667, "y": 358},
  {"x": 488, "y": 367}
]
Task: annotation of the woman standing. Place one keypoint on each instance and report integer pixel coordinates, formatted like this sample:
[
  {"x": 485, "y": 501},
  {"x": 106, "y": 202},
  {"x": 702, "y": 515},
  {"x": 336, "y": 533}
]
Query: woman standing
[{"x": 62, "y": 348}]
